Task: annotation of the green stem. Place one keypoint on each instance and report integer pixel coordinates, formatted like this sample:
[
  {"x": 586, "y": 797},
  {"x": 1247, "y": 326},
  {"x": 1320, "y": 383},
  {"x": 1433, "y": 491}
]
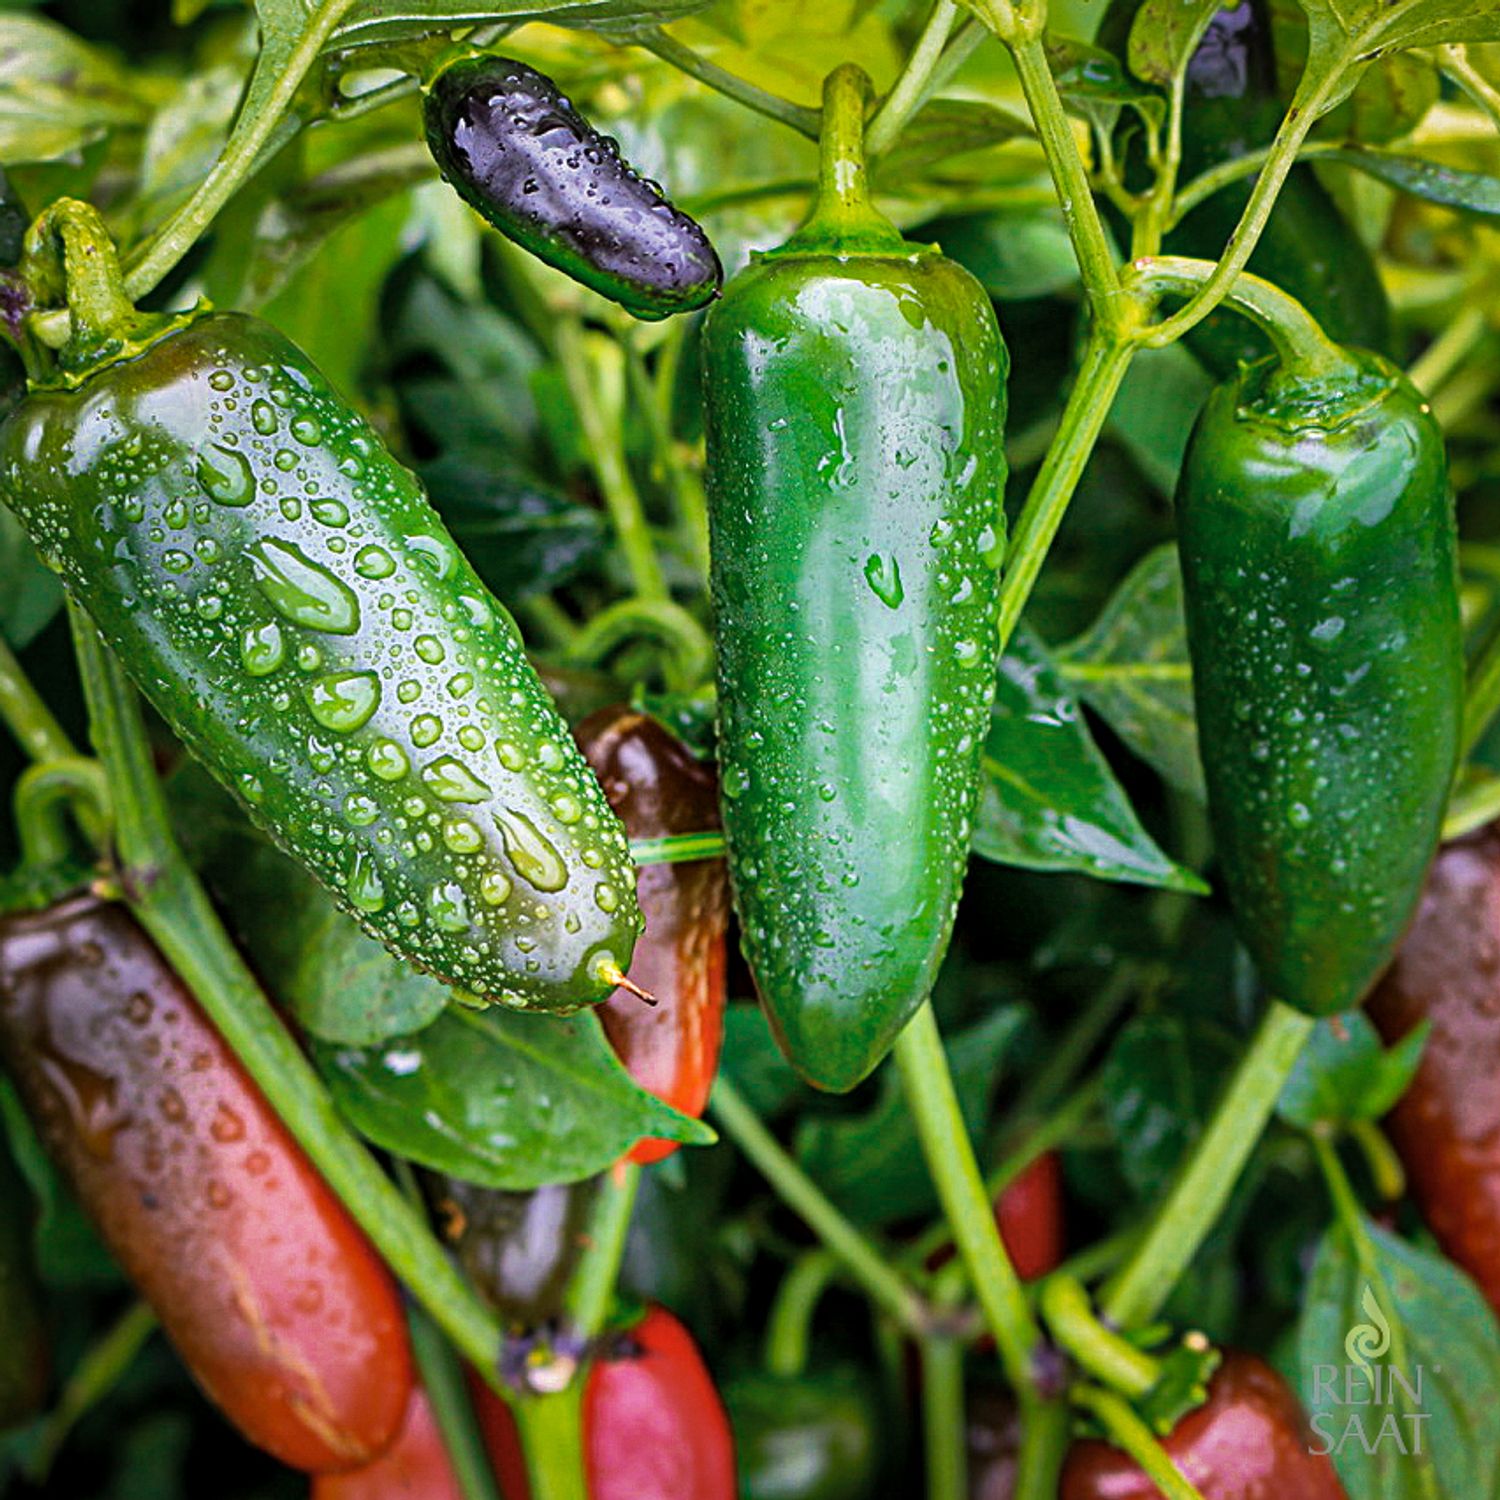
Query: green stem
[
  {"x": 690, "y": 651},
  {"x": 1217, "y": 178},
  {"x": 882, "y": 1283},
  {"x": 1472, "y": 807},
  {"x": 251, "y": 134},
  {"x": 1128, "y": 1432},
  {"x": 678, "y": 848},
  {"x": 1096, "y": 261},
  {"x": 933, "y": 1104},
  {"x": 551, "y": 1429},
  {"x": 843, "y": 218},
  {"x": 103, "y": 1366},
  {"x": 27, "y": 716},
  {"x": 1437, "y": 362},
  {"x": 1067, "y": 1056},
  {"x": 69, "y": 247},
  {"x": 444, "y": 1383},
  {"x": 1105, "y": 362},
  {"x": 1386, "y": 1169},
  {"x": 1481, "y": 696},
  {"x": 42, "y": 792},
  {"x": 943, "y": 1429},
  {"x": 171, "y": 905},
  {"x": 772, "y": 106},
  {"x": 591, "y": 1292},
  {"x": 1099, "y": 1350},
  {"x": 1306, "y": 108},
  {"x": 789, "y": 1328},
  {"x": 1454, "y": 61},
  {"x": 908, "y": 91},
  {"x": 1205, "y": 1180},
  {"x": 607, "y": 458},
  {"x": 1297, "y": 337},
  {"x": 684, "y": 483}
]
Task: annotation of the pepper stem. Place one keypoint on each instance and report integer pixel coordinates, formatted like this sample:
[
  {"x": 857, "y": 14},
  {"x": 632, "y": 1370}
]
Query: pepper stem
[
  {"x": 1297, "y": 337},
  {"x": 70, "y": 257},
  {"x": 69, "y": 251},
  {"x": 843, "y": 217}
]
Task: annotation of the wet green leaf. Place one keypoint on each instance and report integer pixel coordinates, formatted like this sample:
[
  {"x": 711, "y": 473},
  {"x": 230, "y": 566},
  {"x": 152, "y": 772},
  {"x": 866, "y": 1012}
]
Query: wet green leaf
[
  {"x": 1435, "y": 1430},
  {"x": 1345, "y": 1073},
  {"x": 1132, "y": 668},
  {"x": 1048, "y": 799},
  {"x": 501, "y": 1098}
]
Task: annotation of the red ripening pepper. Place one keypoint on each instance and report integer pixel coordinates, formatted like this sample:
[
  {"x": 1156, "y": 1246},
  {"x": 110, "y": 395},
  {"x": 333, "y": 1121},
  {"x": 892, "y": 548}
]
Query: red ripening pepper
[
  {"x": 1029, "y": 1216},
  {"x": 654, "y": 1427},
  {"x": 1248, "y": 1441},
  {"x": 273, "y": 1297},
  {"x": 415, "y": 1467},
  {"x": 1446, "y": 1127},
  {"x": 658, "y": 788}
]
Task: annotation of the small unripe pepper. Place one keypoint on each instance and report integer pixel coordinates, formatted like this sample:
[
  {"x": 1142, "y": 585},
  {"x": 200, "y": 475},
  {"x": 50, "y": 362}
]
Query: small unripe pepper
[{"x": 518, "y": 1249}]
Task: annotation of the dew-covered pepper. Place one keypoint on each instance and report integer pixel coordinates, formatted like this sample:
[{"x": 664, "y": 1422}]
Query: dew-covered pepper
[
  {"x": 855, "y": 406},
  {"x": 518, "y": 152},
  {"x": 1318, "y": 561},
  {"x": 279, "y": 588}
]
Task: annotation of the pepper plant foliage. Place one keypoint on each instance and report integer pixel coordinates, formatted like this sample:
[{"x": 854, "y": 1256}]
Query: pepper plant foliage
[{"x": 1220, "y": 1173}]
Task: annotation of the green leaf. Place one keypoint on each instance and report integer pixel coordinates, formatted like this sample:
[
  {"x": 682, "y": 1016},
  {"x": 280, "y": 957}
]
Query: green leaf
[
  {"x": 337, "y": 983},
  {"x": 399, "y": 20},
  {"x": 31, "y": 595},
  {"x": 1164, "y": 36},
  {"x": 1131, "y": 667},
  {"x": 753, "y": 1063},
  {"x": 944, "y": 128},
  {"x": 1048, "y": 799},
  {"x": 346, "y": 272},
  {"x": 57, "y": 94},
  {"x": 522, "y": 537},
  {"x": 1475, "y": 193},
  {"x": 1346, "y": 1074},
  {"x": 1367, "y": 1299},
  {"x": 1346, "y": 36},
  {"x": 183, "y": 140},
  {"x": 871, "y": 1165},
  {"x": 1154, "y": 412},
  {"x": 1160, "y": 1082},
  {"x": 505, "y": 1099},
  {"x": 1015, "y": 253}
]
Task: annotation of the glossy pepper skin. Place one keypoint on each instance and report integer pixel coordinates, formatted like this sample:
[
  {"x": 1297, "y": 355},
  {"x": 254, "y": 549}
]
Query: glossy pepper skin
[
  {"x": 516, "y": 150},
  {"x": 517, "y": 1249},
  {"x": 1317, "y": 543},
  {"x": 282, "y": 592},
  {"x": 653, "y": 1424},
  {"x": 855, "y": 412},
  {"x": 807, "y": 1437},
  {"x": 415, "y": 1467},
  {"x": 25, "y": 1353},
  {"x": 269, "y": 1291},
  {"x": 658, "y": 788},
  {"x": 1248, "y": 1441},
  {"x": 1446, "y": 1126},
  {"x": 1309, "y": 249}
]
